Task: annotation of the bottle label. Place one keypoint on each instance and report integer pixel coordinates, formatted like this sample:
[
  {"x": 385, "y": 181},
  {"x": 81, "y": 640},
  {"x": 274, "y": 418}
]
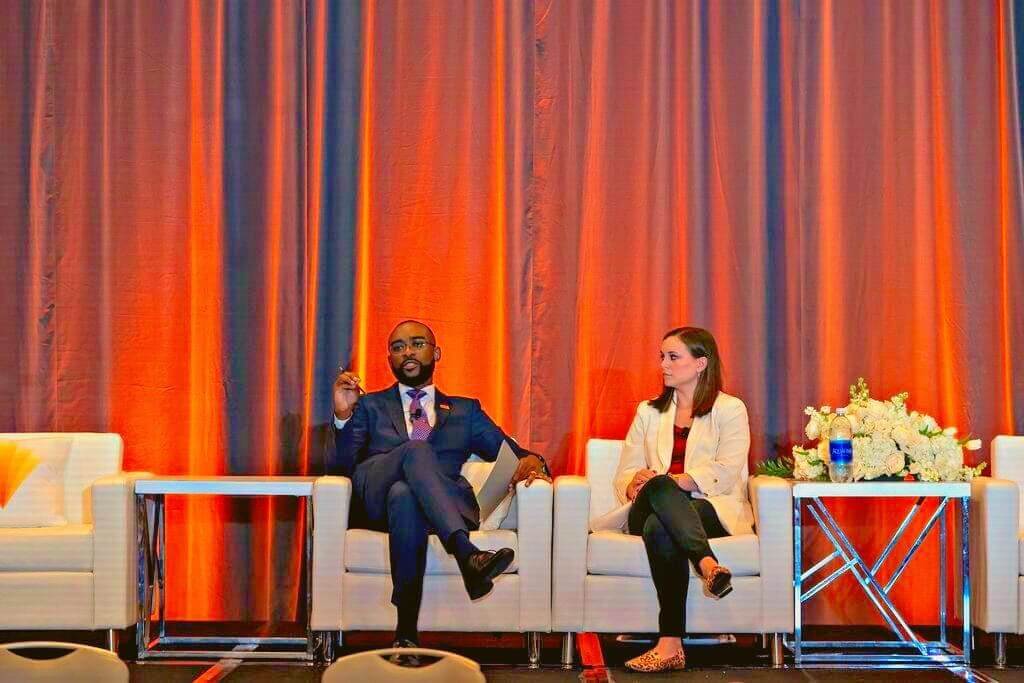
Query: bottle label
[{"x": 840, "y": 451}]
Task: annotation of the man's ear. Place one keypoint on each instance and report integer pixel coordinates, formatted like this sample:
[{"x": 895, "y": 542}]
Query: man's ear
[{"x": 437, "y": 353}]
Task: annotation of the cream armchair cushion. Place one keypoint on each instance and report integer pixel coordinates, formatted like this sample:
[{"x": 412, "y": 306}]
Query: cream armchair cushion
[
  {"x": 80, "y": 575},
  {"x": 613, "y": 553},
  {"x": 997, "y": 549},
  {"x": 368, "y": 551},
  {"x": 601, "y": 580},
  {"x": 352, "y": 584}
]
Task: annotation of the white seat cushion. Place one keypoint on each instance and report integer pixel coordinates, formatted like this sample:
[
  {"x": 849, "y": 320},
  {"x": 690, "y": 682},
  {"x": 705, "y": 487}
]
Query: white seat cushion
[
  {"x": 614, "y": 553},
  {"x": 47, "y": 549},
  {"x": 367, "y": 551}
]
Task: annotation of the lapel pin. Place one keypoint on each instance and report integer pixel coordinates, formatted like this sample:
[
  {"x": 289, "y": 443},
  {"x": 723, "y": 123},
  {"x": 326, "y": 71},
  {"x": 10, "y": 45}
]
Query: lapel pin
[{"x": 444, "y": 406}]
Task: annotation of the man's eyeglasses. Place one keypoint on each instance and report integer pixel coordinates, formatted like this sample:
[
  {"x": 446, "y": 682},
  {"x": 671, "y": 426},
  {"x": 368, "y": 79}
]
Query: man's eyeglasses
[{"x": 398, "y": 347}]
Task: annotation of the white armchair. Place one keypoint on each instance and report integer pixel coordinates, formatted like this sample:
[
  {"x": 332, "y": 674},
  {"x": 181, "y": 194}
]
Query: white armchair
[
  {"x": 997, "y": 545},
  {"x": 352, "y": 581},
  {"x": 80, "y": 575},
  {"x": 602, "y": 581}
]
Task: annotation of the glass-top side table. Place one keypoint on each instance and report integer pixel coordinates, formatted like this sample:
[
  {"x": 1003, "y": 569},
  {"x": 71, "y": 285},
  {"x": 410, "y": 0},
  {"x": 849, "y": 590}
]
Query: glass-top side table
[
  {"x": 151, "y": 518},
  {"x": 907, "y": 648}
]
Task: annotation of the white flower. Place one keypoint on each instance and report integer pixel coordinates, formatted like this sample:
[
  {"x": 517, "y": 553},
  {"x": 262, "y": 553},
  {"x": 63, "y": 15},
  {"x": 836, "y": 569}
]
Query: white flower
[
  {"x": 877, "y": 409},
  {"x": 806, "y": 464},
  {"x": 894, "y": 463},
  {"x": 888, "y": 440},
  {"x": 872, "y": 456}
]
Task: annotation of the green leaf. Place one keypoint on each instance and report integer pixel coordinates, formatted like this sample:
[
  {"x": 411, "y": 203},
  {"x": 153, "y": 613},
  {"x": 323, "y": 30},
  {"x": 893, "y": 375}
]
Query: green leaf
[{"x": 775, "y": 468}]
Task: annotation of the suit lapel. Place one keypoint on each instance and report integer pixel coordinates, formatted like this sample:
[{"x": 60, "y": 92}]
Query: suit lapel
[
  {"x": 442, "y": 409},
  {"x": 397, "y": 413}
]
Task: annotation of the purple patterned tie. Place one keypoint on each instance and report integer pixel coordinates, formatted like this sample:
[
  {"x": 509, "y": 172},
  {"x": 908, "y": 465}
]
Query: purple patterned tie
[{"x": 420, "y": 425}]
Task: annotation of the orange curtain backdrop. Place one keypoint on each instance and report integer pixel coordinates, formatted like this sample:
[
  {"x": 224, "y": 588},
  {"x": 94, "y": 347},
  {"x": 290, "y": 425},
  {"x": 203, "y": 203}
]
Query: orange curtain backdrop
[
  {"x": 212, "y": 205},
  {"x": 817, "y": 191},
  {"x": 181, "y": 271},
  {"x": 443, "y": 233},
  {"x": 832, "y": 188}
]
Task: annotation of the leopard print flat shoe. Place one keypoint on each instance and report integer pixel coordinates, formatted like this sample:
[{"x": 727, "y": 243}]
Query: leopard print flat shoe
[{"x": 650, "y": 662}]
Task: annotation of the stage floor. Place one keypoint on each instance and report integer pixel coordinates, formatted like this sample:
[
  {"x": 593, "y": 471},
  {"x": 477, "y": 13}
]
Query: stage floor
[
  {"x": 503, "y": 661},
  {"x": 178, "y": 673}
]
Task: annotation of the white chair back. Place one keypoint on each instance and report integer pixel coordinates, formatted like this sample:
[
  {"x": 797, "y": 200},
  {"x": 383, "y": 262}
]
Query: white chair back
[
  {"x": 90, "y": 457},
  {"x": 1008, "y": 462},
  {"x": 81, "y": 664},
  {"x": 475, "y": 470},
  {"x": 373, "y": 666},
  {"x": 602, "y": 462}
]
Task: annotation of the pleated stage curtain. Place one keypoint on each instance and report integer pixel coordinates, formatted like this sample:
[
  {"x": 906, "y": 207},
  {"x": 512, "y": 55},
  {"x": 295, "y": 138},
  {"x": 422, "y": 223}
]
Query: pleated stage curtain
[{"x": 210, "y": 206}]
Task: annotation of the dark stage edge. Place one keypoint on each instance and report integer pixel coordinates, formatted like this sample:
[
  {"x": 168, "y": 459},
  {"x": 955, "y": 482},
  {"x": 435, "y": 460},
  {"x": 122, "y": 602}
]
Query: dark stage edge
[{"x": 503, "y": 660}]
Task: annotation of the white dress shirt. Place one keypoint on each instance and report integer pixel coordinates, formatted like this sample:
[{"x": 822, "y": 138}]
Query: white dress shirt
[{"x": 427, "y": 401}]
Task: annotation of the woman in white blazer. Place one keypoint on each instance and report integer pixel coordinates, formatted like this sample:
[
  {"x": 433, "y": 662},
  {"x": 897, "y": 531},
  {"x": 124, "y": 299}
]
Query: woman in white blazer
[{"x": 682, "y": 479}]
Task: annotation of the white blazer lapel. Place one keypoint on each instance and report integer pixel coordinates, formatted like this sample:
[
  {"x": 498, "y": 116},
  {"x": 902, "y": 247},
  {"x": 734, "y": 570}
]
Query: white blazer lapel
[
  {"x": 666, "y": 420},
  {"x": 696, "y": 438}
]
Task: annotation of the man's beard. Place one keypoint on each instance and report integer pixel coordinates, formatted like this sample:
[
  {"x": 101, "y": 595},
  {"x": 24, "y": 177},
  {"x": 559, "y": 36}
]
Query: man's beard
[{"x": 423, "y": 373}]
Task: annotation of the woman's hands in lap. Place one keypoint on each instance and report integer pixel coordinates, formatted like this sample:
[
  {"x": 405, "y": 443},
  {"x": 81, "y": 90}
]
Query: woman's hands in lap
[{"x": 639, "y": 479}]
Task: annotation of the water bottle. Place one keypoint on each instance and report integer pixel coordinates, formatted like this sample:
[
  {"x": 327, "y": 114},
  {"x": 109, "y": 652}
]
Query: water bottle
[{"x": 840, "y": 448}]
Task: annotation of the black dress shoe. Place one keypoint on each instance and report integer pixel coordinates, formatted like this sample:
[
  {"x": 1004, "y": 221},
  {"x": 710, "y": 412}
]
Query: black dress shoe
[
  {"x": 404, "y": 660},
  {"x": 480, "y": 568}
]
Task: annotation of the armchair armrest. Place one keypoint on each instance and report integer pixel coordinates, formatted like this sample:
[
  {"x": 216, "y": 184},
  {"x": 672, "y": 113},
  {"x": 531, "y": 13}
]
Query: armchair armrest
[
  {"x": 331, "y": 499},
  {"x": 995, "y": 531},
  {"x": 114, "y": 549},
  {"x": 772, "y": 501},
  {"x": 534, "y": 555},
  {"x": 571, "y": 536}
]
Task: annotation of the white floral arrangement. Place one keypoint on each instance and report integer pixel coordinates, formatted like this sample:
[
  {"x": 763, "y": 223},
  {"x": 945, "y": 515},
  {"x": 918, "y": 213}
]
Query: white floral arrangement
[{"x": 888, "y": 441}]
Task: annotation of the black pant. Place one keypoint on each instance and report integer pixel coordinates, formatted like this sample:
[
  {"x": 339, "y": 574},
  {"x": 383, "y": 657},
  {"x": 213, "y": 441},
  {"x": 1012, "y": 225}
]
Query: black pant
[{"x": 676, "y": 528}]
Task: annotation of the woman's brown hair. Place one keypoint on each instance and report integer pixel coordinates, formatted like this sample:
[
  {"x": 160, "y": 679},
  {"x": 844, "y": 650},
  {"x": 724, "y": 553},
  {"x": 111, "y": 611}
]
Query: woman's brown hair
[{"x": 701, "y": 344}]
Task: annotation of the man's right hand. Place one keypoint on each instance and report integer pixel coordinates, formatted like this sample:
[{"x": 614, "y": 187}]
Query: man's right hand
[
  {"x": 639, "y": 479},
  {"x": 346, "y": 395}
]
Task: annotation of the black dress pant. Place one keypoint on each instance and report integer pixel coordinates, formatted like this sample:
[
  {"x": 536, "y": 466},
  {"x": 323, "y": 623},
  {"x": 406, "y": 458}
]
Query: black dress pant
[{"x": 675, "y": 528}]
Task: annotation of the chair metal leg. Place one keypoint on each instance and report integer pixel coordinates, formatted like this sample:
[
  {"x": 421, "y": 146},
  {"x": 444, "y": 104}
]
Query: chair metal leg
[
  {"x": 112, "y": 640},
  {"x": 777, "y": 651},
  {"x": 327, "y": 650},
  {"x": 1000, "y": 650},
  {"x": 568, "y": 650},
  {"x": 533, "y": 649}
]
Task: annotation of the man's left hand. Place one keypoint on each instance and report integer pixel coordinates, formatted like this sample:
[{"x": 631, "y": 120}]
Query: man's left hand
[{"x": 530, "y": 469}]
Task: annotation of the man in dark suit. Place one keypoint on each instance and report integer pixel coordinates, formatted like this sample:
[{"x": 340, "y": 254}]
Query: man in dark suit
[{"x": 404, "y": 448}]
